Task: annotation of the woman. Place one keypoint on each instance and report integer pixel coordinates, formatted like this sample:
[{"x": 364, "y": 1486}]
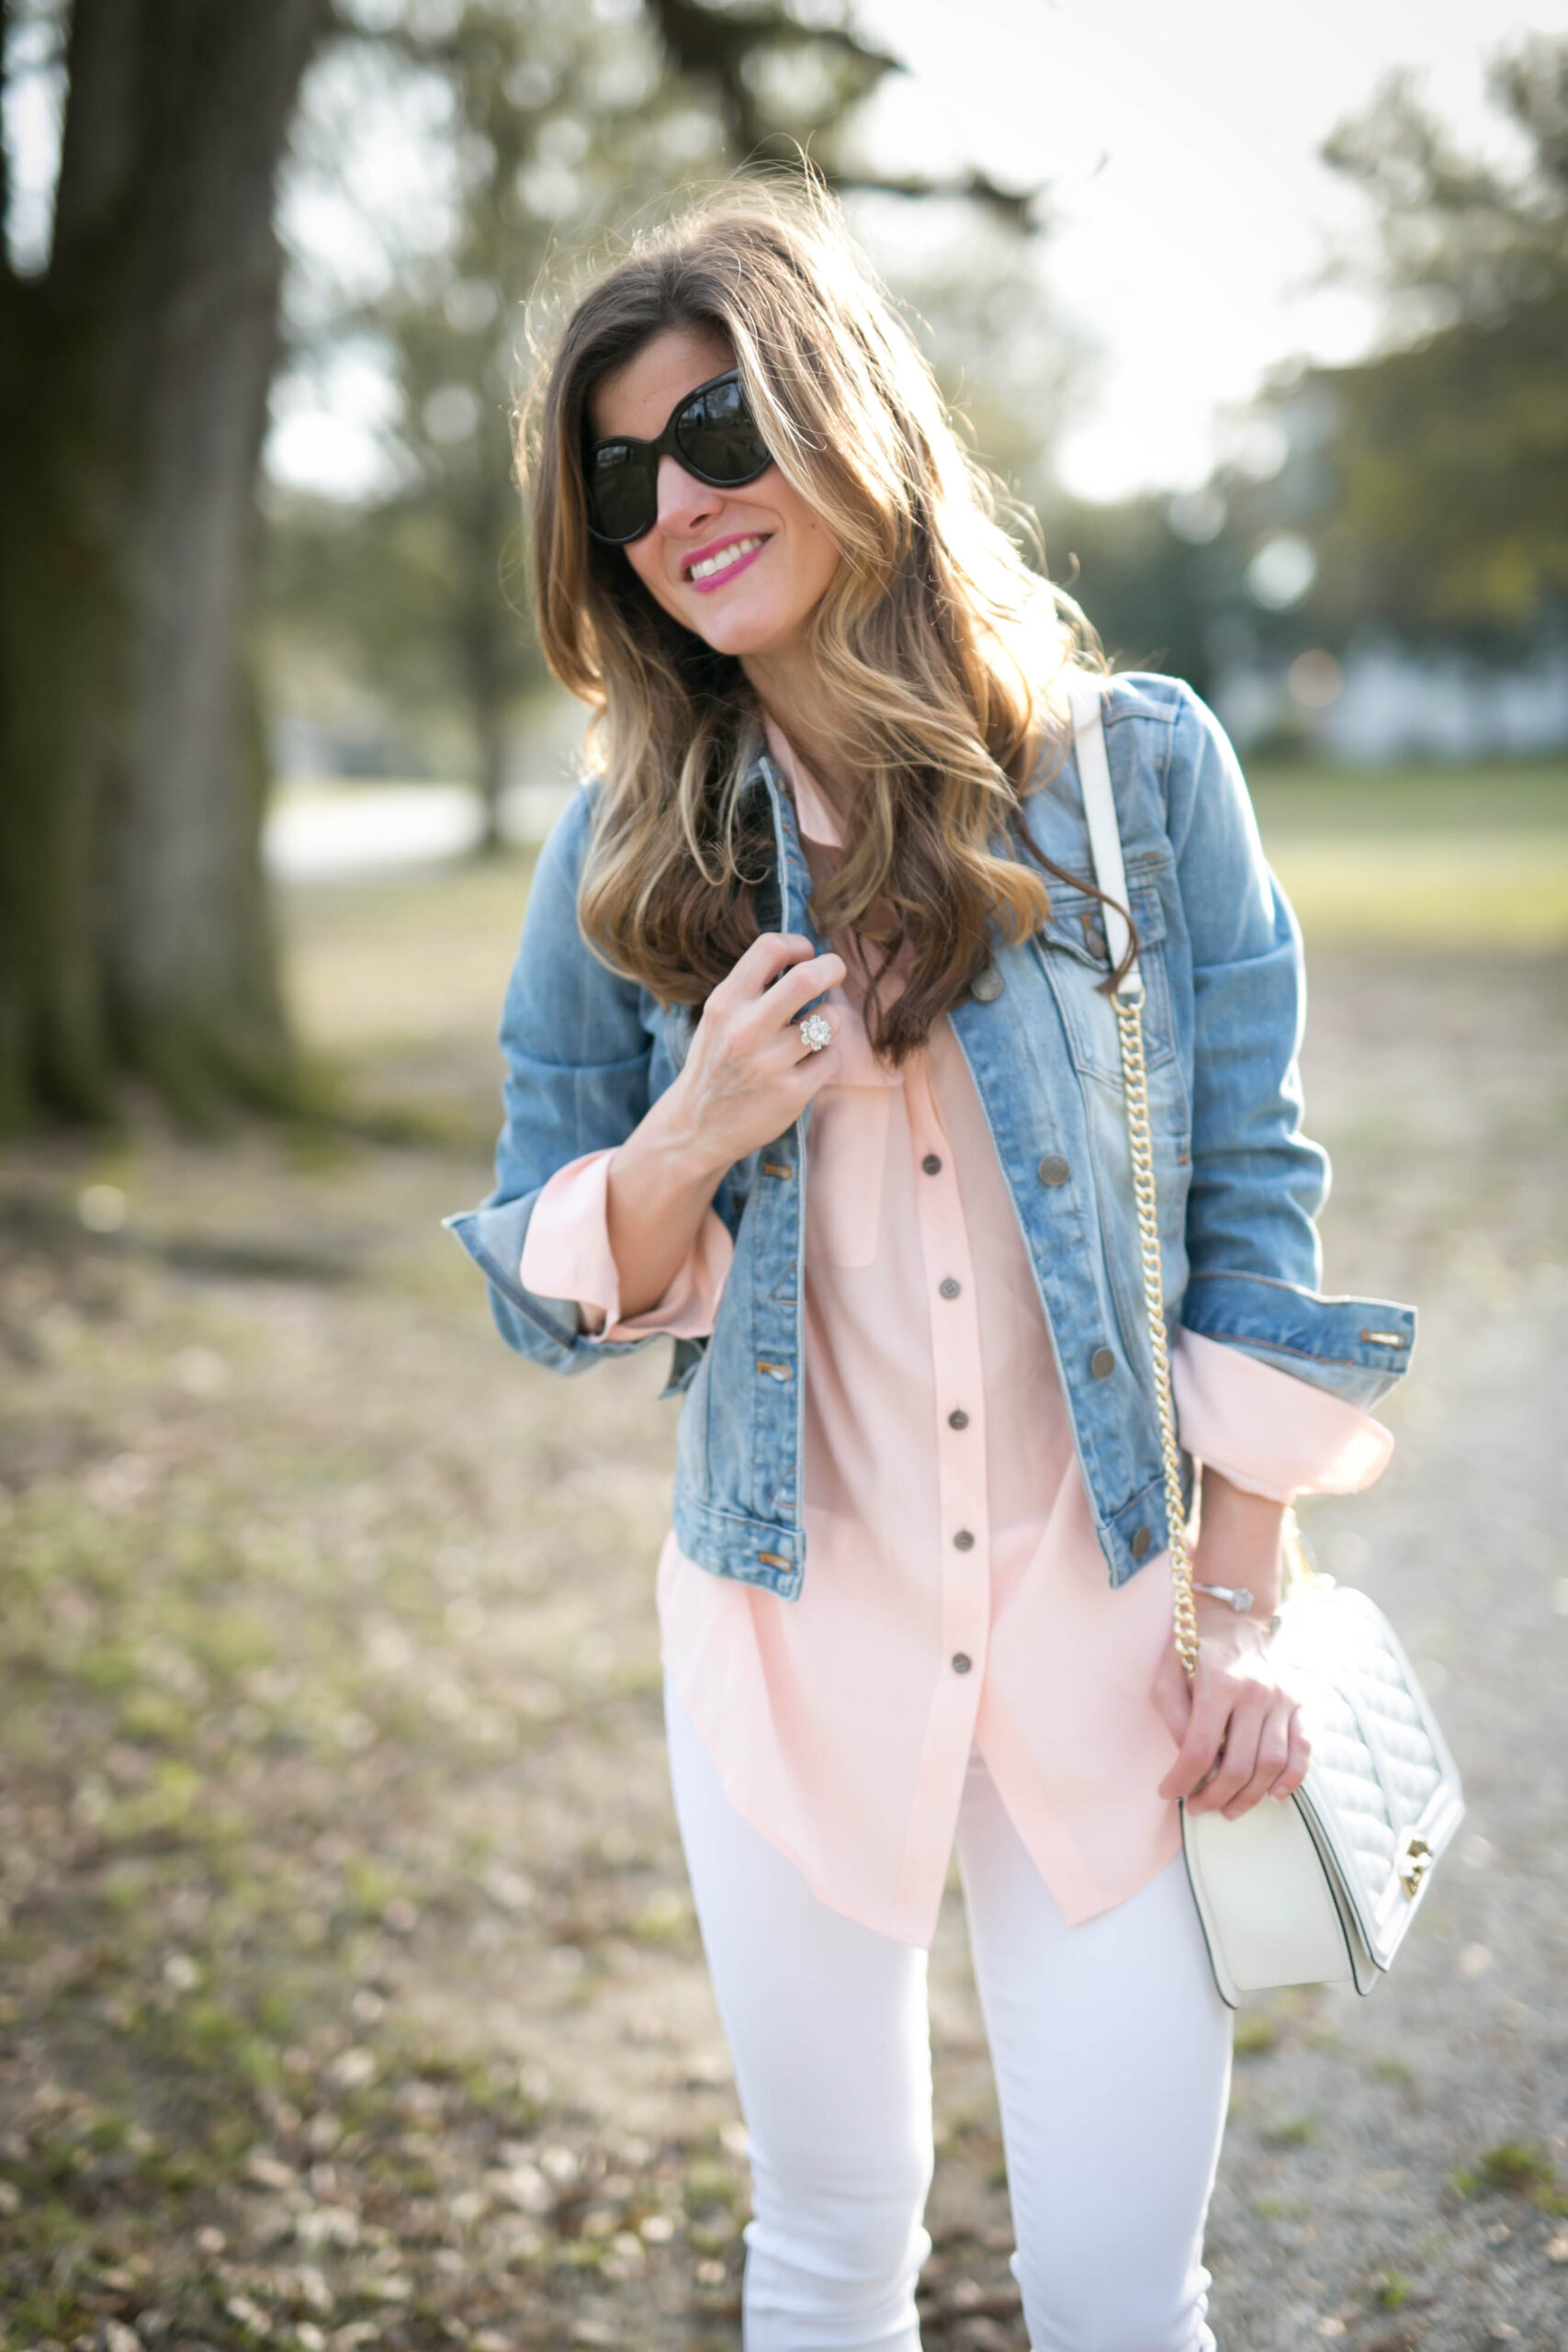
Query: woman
[{"x": 811, "y": 1065}]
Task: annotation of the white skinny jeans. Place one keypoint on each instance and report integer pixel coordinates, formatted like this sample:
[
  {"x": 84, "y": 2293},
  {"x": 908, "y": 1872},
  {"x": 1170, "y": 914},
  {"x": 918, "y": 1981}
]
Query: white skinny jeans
[{"x": 1112, "y": 2051}]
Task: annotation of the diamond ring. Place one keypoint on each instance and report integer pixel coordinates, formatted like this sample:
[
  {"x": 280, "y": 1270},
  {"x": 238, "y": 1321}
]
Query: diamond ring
[{"x": 816, "y": 1031}]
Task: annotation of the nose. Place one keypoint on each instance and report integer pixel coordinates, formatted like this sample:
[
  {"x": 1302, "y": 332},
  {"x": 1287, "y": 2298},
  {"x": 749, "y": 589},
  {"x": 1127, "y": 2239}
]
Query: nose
[{"x": 685, "y": 503}]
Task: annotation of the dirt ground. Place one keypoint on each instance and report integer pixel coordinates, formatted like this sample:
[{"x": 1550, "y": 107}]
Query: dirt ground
[{"x": 351, "y": 1993}]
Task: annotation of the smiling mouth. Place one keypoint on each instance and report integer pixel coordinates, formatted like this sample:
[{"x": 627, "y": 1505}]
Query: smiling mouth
[{"x": 713, "y": 567}]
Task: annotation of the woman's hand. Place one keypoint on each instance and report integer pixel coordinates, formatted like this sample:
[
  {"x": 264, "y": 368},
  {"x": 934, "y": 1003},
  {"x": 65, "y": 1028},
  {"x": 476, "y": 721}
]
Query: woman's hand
[
  {"x": 1237, "y": 1725},
  {"x": 746, "y": 1079}
]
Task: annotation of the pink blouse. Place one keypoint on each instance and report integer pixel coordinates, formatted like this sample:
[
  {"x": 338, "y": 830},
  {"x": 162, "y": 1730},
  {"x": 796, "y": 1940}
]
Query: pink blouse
[{"x": 955, "y": 1593}]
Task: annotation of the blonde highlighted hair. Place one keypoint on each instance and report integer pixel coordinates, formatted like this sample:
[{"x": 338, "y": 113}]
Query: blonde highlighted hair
[{"x": 938, "y": 654}]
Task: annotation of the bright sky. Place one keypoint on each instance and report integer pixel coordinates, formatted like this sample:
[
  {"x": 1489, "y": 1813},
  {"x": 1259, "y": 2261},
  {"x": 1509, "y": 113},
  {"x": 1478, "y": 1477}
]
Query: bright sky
[{"x": 1182, "y": 144}]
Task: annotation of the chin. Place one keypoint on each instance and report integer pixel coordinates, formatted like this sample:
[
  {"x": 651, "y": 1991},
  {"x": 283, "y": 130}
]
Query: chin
[{"x": 742, "y": 631}]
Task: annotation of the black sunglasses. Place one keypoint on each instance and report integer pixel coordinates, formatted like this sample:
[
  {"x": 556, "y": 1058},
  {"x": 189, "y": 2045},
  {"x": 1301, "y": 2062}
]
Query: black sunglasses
[{"x": 713, "y": 432}]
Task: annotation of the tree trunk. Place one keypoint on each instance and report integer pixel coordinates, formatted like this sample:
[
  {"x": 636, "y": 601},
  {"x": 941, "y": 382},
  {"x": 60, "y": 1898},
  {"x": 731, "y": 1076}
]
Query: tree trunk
[
  {"x": 484, "y": 618},
  {"x": 132, "y": 402}
]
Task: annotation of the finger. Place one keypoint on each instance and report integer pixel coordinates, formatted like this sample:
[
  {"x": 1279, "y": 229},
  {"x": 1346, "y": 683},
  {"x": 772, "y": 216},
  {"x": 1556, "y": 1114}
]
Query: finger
[
  {"x": 1236, "y": 1765},
  {"x": 817, "y": 1071},
  {"x": 1173, "y": 1697},
  {"x": 795, "y": 988},
  {"x": 1204, "y": 1736},
  {"x": 1273, "y": 1748},
  {"x": 771, "y": 953},
  {"x": 1298, "y": 1757}
]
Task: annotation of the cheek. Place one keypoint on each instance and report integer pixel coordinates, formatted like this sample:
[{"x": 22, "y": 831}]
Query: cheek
[
  {"x": 827, "y": 555},
  {"x": 640, "y": 556},
  {"x": 817, "y": 553}
]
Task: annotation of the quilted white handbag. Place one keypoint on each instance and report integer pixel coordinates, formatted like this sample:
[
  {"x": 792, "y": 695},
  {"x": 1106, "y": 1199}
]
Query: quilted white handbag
[{"x": 1321, "y": 1890}]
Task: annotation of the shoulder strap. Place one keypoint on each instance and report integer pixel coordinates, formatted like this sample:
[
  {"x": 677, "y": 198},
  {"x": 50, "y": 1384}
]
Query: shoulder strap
[
  {"x": 1085, "y": 695},
  {"x": 1086, "y": 698}
]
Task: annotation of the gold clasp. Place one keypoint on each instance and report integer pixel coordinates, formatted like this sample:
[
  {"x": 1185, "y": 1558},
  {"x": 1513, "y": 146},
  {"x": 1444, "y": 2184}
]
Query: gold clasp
[{"x": 1415, "y": 1859}]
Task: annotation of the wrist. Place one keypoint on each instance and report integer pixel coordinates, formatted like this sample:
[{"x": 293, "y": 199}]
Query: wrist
[
  {"x": 1236, "y": 1604},
  {"x": 670, "y": 1144},
  {"x": 1240, "y": 1547}
]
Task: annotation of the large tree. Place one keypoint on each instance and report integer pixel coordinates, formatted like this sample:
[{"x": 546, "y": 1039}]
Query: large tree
[
  {"x": 1448, "y": 453},
  {"x": 135, "y": 363},
  {"x": 133, "y": 385}
]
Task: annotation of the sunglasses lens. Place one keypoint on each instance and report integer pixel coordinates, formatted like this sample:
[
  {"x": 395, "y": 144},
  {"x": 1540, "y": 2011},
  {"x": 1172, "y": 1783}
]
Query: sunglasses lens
[
  {"x": 717, "y": 436},
  {"x": 621, "y": 497}
]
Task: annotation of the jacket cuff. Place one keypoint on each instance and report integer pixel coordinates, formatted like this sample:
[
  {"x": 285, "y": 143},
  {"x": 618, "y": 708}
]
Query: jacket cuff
[
  {"x": 1354, "y": 1348},
  {"x": 543, "y": 1330},
  {"x": 1267, "y": 1431}
]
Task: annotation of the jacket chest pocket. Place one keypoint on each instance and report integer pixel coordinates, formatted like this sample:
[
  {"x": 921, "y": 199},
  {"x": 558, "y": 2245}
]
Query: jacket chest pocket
[{"x": 1072, "y": 950}]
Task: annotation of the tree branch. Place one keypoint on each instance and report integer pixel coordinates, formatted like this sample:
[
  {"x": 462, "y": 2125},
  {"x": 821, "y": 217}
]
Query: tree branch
[{"x": 1015, "y": 206}]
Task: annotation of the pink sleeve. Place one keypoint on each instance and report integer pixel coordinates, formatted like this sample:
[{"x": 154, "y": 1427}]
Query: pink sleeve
[
  {"x": 567, "y": 1254},
  {"x": 1267, "y": 1431}
]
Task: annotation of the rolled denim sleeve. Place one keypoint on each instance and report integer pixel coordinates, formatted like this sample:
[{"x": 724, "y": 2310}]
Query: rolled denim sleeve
[
  {"x": 577, "y": 1051},
  {"x": 1257, "y": 1182}
]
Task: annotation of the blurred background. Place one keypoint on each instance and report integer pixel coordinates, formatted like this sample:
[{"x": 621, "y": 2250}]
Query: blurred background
[{"x": 349, "y": 1989}]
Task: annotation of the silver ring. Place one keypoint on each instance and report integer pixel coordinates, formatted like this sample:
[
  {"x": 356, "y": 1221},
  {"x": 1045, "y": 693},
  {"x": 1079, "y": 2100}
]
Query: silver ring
[{"x": 816, "y": 1031}]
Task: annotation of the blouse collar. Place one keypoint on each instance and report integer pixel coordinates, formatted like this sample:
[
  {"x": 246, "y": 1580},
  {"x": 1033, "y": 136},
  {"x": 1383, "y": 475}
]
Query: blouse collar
[{"x": 814, "y": 811}]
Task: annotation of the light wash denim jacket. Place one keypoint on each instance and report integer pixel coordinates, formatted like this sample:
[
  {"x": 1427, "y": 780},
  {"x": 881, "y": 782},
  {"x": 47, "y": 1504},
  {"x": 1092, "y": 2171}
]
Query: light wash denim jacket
[{"x": 1238, "y": 1183}]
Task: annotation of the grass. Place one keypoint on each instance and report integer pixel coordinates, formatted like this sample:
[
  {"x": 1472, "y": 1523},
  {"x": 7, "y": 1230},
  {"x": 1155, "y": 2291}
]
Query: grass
[
  {"x": 1512, "y": 2168},
  {"x": 1459, "y": 798},
  {"x": 1290, "y": 2132},
  {"x": 1256, "y": 2033},
  {"x": 1472, "y": 858}
]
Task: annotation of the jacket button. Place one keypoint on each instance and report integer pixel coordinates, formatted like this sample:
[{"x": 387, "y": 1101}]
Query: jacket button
[
  {"x": 931, "y": 1164},
  {"x": 962, "y": 1662},
  {"x": 949, "y": 1289},
  {"x": 989, "y": 987},
  {"x": 1141, "y": 1542},
  {"x": 958, "y": 1419},
  {"x": 1102, "y": 1364},
  {"x": 963, "y": 1541},
  {"x": 1054, "y": 1168}
]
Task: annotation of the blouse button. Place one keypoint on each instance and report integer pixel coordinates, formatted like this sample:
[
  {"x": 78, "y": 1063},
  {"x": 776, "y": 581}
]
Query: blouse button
[
  {"x": 1102, "y": 1364},
  {"x": 1140, "y": 1545},
  {"x": 931, "y": 1164},
  {"x": 963, "y": 1541},
  {"x": 1054, "y": 1168},
  {"x": 989, "y": 987},
  {"x": 962, "y": 1662},
  {"x": 959, "y": 1419},
  {"x": 949, "y": 1289}
]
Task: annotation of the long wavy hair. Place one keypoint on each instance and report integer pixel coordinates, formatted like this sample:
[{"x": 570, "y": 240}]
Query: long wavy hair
[{"x": 938, "y": 656}]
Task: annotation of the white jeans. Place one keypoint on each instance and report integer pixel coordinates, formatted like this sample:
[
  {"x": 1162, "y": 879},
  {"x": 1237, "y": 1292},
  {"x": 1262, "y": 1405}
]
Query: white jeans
[{"x": 1112, "y": 2051}]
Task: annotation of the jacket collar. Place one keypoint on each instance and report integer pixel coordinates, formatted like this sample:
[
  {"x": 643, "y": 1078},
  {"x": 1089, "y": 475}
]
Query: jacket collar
[{"x": 782, "y": 900}]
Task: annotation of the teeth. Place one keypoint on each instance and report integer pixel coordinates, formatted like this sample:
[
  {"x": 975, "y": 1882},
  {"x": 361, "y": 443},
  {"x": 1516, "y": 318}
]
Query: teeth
[{"x": 723, "y": 560}]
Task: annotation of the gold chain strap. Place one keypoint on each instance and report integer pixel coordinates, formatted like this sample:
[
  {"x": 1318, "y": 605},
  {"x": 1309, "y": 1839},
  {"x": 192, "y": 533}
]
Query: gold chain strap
[{"x": 1129, "y": 1004}]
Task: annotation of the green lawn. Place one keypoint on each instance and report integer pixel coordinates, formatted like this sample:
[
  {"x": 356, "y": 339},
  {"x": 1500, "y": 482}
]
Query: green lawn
[
  {"x": 1472, "y": 857},
  {"x": 1508, "y": 795}
]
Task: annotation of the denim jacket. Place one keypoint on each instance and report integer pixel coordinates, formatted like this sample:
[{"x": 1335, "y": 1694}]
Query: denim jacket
[{"x": 1238, "y": 1185}]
